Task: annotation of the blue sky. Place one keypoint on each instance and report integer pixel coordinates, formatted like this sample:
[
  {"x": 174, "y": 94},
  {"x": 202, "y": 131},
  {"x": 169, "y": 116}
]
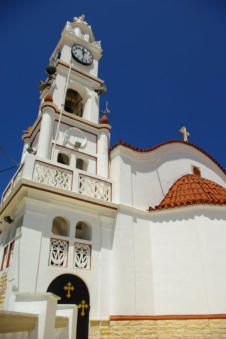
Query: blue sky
[{"x": 164, "y": 63}]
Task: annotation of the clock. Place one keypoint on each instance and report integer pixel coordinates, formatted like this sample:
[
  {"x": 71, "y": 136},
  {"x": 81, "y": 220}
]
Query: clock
[{"x": 82, "y": 54}]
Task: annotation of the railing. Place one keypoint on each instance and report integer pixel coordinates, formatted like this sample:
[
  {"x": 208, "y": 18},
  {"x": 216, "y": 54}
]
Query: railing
[
  {"x": 52, "y": 175},
  {"x": 12, "y": 183},
  {"x": 94, "y": 188},
  {"x": 60, "y": 177}
]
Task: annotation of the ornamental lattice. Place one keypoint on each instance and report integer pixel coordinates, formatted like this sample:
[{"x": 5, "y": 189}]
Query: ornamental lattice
[
  {"x": 94, "y": 188},
  {"x": 82, "y": 253},
  {"x": 53, "y": 176},
  {"x": 58, "y": 252}
]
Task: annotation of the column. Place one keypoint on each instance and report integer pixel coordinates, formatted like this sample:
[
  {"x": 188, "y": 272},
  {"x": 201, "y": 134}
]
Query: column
[
  {"x": 46, "y": 132},
  {"x": 102, "y": 165}
]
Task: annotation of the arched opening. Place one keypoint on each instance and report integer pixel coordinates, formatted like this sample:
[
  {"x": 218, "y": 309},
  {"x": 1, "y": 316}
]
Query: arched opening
[
  {"x": 81, "y": 164},
  {"x": 83, "y": 231},
  {"x": 73, "y": 103},
  {"x": 72, "y": 290},
  {"x": 60, "y": 226},
  {"x": 196, "y": 171},
  {"x": 63, "y": 158}
]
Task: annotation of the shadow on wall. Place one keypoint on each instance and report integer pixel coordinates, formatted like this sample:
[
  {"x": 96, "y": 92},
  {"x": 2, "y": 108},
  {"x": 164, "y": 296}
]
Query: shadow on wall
[{"x": 188, "y": 213}]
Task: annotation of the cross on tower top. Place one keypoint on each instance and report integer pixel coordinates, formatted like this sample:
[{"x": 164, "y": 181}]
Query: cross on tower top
[{"x": 185, "y": 133}]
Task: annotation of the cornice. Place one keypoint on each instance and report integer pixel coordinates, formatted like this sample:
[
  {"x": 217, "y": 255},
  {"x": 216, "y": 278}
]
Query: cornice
[
  {"x": 80, "y": 72},
  {"x": 66, "y": 115},
  {"x": 131, "y": 150},
  {"x": 26, "y": 187}
]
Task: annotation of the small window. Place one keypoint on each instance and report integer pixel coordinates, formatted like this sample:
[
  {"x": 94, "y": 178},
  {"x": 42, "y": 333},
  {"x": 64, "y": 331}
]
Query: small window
[
  {"x": 60, "y": 226},
  {"x": 83, "y": 231},
  {"x": 63, "y": 159},
  {"x": 81, "y": 164},
  {"x": 196, "y": 171}
]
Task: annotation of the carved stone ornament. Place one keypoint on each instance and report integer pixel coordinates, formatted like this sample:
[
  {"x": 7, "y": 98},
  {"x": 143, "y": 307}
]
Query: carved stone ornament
[
  {"x": 68, "y": 27},
  {"x": 82, "y": 253},
  {"x": 58, "y": 252},
  {"x": 80, "y": 19},
  {"x": 75, "y": 138},
  {"x": 97, "y": 43},
  {"x": 94, "y": 188}
]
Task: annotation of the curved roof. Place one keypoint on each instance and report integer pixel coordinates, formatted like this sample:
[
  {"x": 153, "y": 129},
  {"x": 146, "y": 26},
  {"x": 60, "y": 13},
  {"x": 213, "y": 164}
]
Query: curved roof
[
  {"x": 137, "y": 149},
  {"x": 192, "y": 190}
]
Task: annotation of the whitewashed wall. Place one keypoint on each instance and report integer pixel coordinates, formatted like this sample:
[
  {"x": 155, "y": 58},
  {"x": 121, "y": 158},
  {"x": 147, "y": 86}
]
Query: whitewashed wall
[
  {"x": 30, "y": 269},
  {"x": 170, "y": 262},
  {"x": 142, "y": 179}
]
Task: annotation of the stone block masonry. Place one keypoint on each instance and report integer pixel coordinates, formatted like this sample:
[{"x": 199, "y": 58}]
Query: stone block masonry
[{"x": 159, "y": 329}]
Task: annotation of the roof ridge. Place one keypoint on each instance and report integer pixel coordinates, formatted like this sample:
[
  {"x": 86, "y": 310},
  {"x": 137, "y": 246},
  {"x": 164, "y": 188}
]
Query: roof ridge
[{"x": 143, "y": 150}]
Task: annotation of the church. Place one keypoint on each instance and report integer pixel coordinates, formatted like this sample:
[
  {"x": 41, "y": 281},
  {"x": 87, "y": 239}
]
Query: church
[{"x": 99, "y": 242}]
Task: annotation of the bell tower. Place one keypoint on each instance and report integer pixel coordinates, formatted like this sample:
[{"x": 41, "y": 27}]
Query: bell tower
[
  {"x": 59, "y": 202},
  {"x": 70, "y": 132},
  {"x": 76, "y": 59}
]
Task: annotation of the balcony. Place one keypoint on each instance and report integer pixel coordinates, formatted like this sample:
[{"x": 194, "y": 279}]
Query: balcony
[{"x": 61, "y": 177}]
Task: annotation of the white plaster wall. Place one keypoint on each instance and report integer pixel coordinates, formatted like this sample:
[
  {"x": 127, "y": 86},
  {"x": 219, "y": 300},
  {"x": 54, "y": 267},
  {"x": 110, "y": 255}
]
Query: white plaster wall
[
  {"x": 124, "y": 279},
  {"x": 188, "y": 255},
  {"x": 142, "y": 179},
  {"x": 59, "y": 89},
  {"x": 91, "y": 140},
  {"x": 35, "y": 274},
  {"x": 73, "y": 156},
  {"x": 132, "y": 265}
]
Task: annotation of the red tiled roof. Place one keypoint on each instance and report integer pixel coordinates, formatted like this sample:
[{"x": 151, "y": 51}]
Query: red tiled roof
[
  {"x": 192, "y": 190},
  {"x": 137, "y": 149}
]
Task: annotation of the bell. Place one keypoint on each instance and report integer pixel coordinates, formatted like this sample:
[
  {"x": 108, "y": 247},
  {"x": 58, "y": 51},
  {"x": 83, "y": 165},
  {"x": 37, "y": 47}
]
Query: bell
[
  {"x": 8, "y": 219},
  {"x": 50, "y": 69},
  {"x": 101, "y": 90}
]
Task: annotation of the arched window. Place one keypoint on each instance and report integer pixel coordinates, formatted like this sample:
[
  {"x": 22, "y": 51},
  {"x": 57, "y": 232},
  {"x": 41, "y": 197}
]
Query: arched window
[
  {"x": 83, "y": 231},
  {"x": 81, "y": 164},
  {"x": 196, "y": 171},
  {"x": 60, "y": 226},
  {"x": 73, "y": 103},
  {"x": 63, "y": 158}
]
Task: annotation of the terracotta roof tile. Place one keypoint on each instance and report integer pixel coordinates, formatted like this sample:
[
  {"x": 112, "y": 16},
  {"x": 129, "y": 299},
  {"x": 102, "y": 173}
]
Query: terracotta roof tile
[{"x": 192, "y": 190}]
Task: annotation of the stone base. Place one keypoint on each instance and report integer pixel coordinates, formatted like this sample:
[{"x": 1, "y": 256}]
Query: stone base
[{"x": 159, "y": 329}]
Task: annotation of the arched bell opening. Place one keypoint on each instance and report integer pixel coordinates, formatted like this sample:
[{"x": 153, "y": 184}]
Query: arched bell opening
[
  {"x": 72, "y": 290},
  {"x": 73, "y": 103}
]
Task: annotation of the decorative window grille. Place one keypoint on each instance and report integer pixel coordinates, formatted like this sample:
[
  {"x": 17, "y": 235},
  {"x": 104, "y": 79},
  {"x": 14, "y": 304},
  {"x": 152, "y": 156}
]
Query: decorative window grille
[
  {"x": 58, "y": 252},
  {"x": 53, "y": 176},
  {"x": 82, "y": 254},
  {"x": 94, "y": 187}
]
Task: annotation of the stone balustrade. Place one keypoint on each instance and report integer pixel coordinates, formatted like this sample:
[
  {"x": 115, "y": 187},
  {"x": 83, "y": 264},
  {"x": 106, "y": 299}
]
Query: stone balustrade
[{"x": 62, "y": 177}]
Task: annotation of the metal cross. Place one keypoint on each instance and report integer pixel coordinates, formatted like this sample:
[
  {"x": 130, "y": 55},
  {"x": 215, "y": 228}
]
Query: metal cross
[
  {"x": 185, "y": 133},
  {"x": 69, "y": 287},
  {"x": 83, "y": 305}
]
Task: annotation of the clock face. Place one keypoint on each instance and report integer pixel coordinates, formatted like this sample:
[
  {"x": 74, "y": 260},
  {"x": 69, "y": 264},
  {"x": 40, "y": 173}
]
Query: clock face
[{"x": 82, "y": 54}]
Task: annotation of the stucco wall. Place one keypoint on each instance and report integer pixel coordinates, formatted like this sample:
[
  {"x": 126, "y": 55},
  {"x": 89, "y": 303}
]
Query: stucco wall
[
  {"x": 142, "y": 179},
  {"x": 170, "y": 262}
]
